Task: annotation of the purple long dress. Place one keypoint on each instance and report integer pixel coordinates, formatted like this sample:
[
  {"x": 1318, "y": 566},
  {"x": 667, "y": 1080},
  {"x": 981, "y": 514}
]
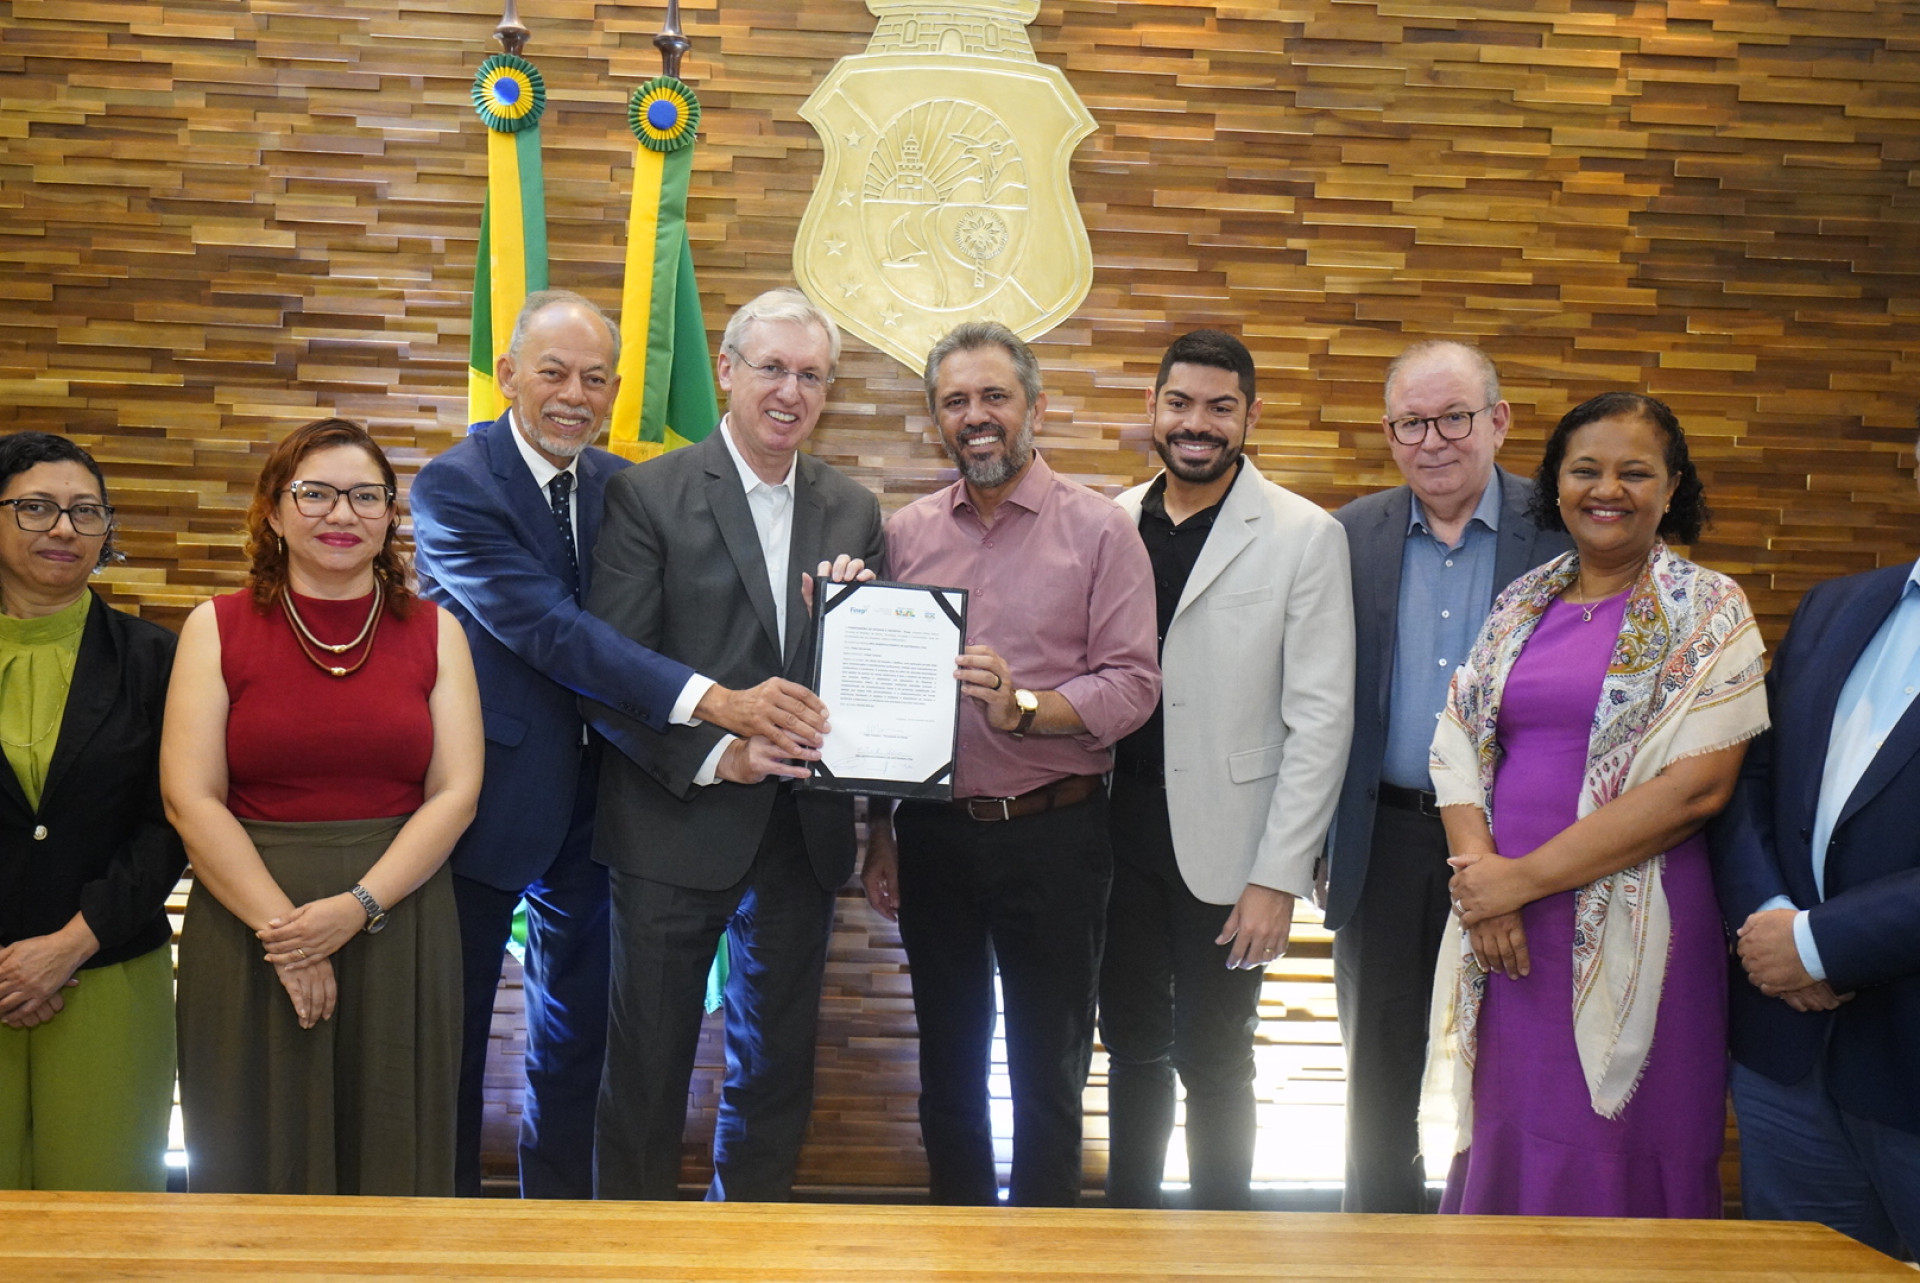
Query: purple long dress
[{"x": 1538, "y": 1148}]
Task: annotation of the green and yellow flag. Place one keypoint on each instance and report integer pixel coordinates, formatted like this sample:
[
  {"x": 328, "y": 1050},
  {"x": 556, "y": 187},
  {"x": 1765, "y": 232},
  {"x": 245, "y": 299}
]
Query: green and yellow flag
[
  {"x": 510, "y": 96},
  {"x": 666, "y": 397},
  {"x": 666, "y": 394}
]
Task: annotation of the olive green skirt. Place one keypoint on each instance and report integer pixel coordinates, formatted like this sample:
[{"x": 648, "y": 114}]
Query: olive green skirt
[{"x": 362, "y": 1103}]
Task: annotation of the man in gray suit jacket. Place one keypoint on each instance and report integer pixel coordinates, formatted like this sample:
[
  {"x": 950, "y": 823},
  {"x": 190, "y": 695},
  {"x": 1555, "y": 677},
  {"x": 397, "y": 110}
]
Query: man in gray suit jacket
[
  {"x": 1428, "y": 558},
  {"x": 1221, "y": 801},
  {"x": 701, "y": 558}
]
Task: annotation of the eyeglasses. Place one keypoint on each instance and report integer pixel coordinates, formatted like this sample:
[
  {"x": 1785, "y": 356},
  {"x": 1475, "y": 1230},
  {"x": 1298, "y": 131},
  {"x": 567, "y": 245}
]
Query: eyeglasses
[
  {"x": 37, "y": 516},
  {"x": 773, "y": 374},
  {"x": 317, "y": 498},
  {"x": 1453, "y": 425}
]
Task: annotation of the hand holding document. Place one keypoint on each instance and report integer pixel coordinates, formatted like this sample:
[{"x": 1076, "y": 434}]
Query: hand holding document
[{"x": 883, "y": 665}]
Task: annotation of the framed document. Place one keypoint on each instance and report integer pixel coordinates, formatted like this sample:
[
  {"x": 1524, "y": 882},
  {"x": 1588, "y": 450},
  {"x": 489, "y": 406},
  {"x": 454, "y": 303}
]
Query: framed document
[{"x": 883, "y": 660}]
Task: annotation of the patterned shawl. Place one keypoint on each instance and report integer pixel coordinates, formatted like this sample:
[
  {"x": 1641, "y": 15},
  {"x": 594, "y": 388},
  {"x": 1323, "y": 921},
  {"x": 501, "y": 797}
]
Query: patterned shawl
[{"x": 1685, "y": 679}]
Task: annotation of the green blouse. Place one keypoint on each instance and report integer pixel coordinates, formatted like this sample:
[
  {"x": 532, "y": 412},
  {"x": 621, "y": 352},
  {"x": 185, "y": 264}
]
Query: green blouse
[{"x": 36, "y": 669}]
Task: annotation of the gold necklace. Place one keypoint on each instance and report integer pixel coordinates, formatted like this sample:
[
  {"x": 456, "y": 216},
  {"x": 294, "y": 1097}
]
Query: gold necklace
[
  {"x": 302, "y": 635},
  {"x": 52, "y": 722},
  {"x": 1587, "y": 608}
]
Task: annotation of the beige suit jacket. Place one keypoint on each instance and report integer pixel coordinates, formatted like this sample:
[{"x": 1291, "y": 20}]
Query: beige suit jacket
[{"x": 1258, "y": 686}]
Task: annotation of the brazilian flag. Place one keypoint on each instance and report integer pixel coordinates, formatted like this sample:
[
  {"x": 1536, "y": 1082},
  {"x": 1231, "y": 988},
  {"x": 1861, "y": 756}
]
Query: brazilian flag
[
  {"x": 666, "y": 394},
  {"x": 510, "y": 95}
]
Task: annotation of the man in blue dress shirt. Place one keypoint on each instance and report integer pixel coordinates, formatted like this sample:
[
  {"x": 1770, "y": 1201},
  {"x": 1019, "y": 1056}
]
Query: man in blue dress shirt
[{"x": 1427, "y": 559}]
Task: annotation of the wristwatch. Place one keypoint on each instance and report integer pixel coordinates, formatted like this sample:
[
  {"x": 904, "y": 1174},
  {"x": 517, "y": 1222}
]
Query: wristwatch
[
  {"x": 376, "y": 916},
  {"x": 1028, "y": 703}
]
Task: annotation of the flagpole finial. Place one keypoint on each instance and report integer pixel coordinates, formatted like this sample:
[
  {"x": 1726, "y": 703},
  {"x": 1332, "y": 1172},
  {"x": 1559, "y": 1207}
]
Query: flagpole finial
[
  {"x": 670, "y": 42},
  {"x": 512, "y": 33}
]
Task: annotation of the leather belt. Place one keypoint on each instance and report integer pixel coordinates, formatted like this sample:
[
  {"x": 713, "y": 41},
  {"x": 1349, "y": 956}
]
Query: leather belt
[
  {"x": 1048, "y": 797},
  {"x": 1417, "y": 800}
]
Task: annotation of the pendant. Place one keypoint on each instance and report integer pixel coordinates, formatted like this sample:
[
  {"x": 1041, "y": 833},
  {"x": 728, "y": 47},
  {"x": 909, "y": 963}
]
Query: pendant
[{"x": 338, "y": 672}]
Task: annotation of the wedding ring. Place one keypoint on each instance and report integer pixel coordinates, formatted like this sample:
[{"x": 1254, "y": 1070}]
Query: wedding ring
[
  {"x": 996, "y": 681},
  {"x": 303, "y": 955}
]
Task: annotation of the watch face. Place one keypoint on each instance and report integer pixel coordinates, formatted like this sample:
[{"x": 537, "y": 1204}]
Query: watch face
[
  {"x": 1027, "y": 701},
  {"x": 374, "y": 923}
]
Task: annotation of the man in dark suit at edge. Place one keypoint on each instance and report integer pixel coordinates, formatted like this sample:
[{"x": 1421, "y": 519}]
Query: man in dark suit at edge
[
  {"x": 1427, "y": 557},
  {"x": 504, "y": 525},
  {"x": 1818, "y": 871},
  {"x": 702, "y": 558}
]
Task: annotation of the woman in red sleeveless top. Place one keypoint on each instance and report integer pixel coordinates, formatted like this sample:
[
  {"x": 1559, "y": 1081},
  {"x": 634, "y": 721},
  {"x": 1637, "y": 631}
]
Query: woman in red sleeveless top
[{"x": 321, "y": 754}]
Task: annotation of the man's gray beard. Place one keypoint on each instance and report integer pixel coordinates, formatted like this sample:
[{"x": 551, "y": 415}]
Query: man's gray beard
[
  {"x": 565, "y": 449},
  {"x": 996, "y": 473}
]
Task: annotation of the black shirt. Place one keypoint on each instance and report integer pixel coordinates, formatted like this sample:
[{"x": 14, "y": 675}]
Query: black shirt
[{"x": 1173, "y": 550}]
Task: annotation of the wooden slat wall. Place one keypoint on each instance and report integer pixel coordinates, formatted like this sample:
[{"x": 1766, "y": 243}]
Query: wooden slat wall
[{"x": 219, "y": 218}]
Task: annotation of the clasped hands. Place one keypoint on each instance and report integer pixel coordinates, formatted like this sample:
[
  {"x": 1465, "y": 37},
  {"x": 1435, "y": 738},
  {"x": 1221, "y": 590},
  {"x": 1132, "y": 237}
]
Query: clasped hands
[
  {"x": 1771, "y": 958},
  {"x": 33, "y": 972},
  {"x": 300, "y": 945},
  {"x": 780, "y": 724},
  {"x": 1488, "y": 893}
]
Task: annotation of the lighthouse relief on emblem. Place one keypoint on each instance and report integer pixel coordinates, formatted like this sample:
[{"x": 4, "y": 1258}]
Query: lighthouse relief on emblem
[{"x": 944, "y": 204}]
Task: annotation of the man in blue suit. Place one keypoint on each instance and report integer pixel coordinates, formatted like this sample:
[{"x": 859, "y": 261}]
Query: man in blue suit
[
  {"x": 504, "y": 525},
  {"x": 1819, "y": 874}
]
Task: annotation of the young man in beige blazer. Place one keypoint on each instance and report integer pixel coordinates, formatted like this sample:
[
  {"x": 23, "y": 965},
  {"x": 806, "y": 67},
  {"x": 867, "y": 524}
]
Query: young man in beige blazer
[{"x": 1221, "y": 801}]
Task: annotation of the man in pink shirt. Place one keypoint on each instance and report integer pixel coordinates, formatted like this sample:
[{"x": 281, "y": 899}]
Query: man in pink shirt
[{"x": 1059, "y": 666}]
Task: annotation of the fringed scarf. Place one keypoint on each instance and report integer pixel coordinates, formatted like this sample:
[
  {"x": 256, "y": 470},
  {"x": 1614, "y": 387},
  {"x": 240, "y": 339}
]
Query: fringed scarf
[{"x": 1685, "y": 678}]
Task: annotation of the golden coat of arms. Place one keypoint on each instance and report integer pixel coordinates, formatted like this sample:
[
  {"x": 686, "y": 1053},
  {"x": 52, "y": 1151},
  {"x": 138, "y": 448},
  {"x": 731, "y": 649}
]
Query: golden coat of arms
[{"x": 945, "y": 196}]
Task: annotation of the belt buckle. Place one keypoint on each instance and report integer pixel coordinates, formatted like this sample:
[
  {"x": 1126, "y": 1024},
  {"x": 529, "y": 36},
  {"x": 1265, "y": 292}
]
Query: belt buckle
[{"x": 1005, "y": 812}]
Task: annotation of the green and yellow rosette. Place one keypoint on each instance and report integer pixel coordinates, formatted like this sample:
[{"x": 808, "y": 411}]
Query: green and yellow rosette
[
  {"x": 509, "y": 93},
  {"x": 666, "y": 396},
  {"x": 663, "y": 114}
]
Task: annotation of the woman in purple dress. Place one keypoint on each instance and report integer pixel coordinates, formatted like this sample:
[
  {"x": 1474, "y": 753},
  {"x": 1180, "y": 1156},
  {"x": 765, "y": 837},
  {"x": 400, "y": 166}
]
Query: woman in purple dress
[{"x": 1599, "y": 722}]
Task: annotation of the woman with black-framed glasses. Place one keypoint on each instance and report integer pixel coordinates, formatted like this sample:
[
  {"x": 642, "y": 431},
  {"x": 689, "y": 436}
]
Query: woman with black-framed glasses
[
  {"x": 322, "y": 755},
  {"x": 86, "y": 854}
]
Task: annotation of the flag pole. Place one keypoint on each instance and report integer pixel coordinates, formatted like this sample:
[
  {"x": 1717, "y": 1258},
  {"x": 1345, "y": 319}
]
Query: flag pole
[
  {"x": 512, "y": 33},
  {"x": 671, "y": 42}
]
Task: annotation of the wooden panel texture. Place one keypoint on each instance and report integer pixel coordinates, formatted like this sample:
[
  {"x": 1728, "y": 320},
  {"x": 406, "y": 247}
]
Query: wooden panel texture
[
  {"x": 219, "y": 218},
  {"x": 78, "y": 1238}
]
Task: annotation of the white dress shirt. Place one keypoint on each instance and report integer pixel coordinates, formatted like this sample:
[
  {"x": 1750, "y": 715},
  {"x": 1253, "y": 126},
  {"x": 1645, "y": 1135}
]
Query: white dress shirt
[{"x": 772, "y": 510}]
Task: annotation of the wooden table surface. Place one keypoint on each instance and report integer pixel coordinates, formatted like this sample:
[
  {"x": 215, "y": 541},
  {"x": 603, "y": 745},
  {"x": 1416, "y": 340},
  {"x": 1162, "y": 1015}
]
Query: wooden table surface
[{"x": 182, "y": 1236}]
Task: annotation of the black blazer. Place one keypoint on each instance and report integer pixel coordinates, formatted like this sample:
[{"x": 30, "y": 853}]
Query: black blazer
[
  {"x": 106, "y": 849},
  {"x": 1868, "y": 927},
  {"x": 1376, "y": 536},
  {"x": 678, "y": 569}
]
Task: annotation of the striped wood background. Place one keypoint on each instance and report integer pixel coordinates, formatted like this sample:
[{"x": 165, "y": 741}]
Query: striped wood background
[{"x": 219, "y": 218}]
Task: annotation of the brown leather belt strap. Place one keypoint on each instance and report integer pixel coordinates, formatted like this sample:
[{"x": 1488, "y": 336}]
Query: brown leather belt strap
[{"x": 1048, "y": 797}]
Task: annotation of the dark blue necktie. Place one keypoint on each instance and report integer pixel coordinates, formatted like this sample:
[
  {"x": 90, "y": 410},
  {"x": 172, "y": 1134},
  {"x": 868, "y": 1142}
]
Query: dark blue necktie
[{"x": 560, "y": 495}]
